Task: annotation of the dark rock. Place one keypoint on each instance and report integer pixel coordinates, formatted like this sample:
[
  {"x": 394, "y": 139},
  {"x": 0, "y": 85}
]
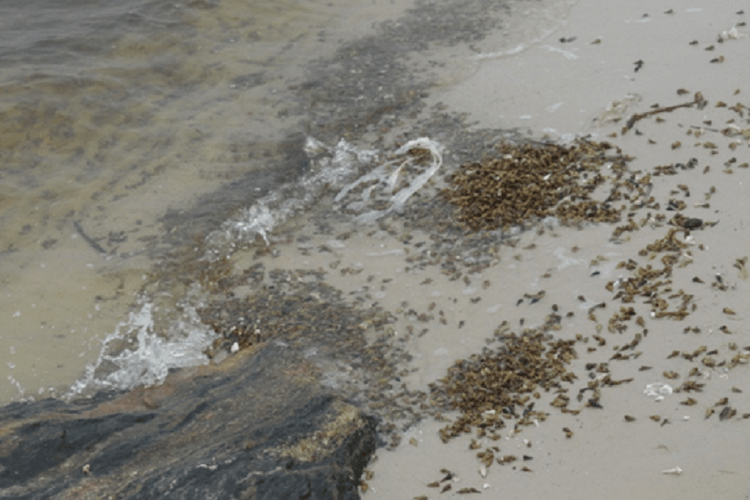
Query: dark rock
[{"x": 253, "y": 427}]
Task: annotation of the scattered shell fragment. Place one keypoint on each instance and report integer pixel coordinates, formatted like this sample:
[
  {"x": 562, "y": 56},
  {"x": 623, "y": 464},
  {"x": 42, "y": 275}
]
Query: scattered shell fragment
[
  {"x": 730, "y": 34},
  {"x": 658, "y": 391},
  {"x": 675, "y": 471}
]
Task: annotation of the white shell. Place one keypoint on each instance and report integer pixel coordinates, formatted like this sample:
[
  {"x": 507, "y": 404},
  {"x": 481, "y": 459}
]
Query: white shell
[
  {"x": 658, "y": 390},
  {"x": 676, "y": 471}
]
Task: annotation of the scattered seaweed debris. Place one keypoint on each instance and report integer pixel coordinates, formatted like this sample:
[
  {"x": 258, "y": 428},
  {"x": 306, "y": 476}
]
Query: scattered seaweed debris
[
  {"x": 529, "y": 182},
  {"x": 698, "y": 100}
]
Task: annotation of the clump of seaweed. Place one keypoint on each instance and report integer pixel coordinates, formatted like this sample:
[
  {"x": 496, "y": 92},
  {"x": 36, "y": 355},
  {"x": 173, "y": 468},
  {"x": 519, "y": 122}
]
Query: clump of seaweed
[
  {"x": 502, "y": 385},
  {"x": 529, "y": 182}
]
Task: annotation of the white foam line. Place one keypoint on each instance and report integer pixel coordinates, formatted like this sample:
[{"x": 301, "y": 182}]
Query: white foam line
[{"x": 568, "y": 55}]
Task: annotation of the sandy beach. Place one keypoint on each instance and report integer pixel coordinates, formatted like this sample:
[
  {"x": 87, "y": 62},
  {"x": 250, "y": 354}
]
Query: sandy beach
[
  {"x": 610, "y": 73},
  {"x": 610, "y": 61}
]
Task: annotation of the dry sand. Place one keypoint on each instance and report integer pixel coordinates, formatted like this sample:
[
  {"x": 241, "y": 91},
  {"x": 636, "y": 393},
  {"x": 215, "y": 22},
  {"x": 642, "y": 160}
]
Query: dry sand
[{"x": 564, "y": 88}]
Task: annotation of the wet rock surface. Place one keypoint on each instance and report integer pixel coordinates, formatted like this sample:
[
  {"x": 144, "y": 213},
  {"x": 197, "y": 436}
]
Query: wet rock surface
[{"x": 252, "y": 427}]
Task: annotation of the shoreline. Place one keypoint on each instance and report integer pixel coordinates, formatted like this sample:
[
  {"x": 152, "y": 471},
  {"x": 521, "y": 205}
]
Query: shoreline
[{"x": 384, "y": 316}]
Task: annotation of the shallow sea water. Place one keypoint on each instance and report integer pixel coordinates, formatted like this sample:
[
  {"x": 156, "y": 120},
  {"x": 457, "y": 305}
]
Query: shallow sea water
[
  {"x": 116, "y": 118},
  {"x": 130, "y": 131}
]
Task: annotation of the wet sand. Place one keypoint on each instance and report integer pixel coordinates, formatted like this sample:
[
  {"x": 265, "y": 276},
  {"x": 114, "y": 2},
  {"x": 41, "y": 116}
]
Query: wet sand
[
  {"x": 557, "y": 88},
  {"x": 582, "y": 88}
]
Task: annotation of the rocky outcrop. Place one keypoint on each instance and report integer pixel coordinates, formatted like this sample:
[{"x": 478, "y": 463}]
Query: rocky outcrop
[{"x": 256, "y": 426}]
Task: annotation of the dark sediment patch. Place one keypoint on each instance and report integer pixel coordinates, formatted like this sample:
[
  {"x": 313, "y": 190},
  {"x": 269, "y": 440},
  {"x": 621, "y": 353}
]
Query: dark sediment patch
[{"x": 368, "y": 85}]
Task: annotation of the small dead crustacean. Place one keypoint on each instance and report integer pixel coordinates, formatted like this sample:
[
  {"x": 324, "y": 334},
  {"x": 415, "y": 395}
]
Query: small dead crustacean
[
  {"x": 741, "y": 265},
  {"x": 463, "y": 491}
]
